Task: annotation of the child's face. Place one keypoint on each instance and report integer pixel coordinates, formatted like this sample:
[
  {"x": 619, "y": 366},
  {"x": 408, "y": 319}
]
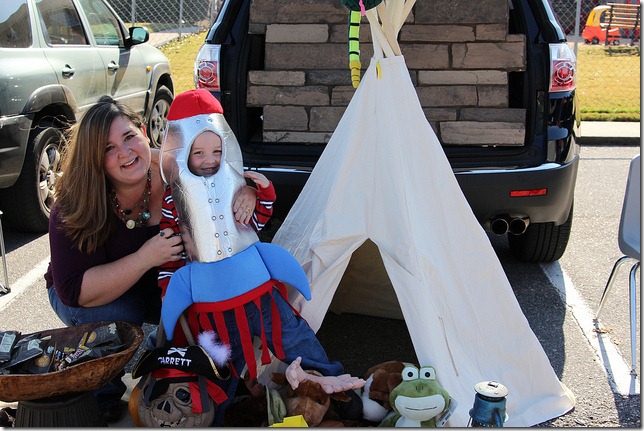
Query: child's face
[{"x": 205, "y": 154}]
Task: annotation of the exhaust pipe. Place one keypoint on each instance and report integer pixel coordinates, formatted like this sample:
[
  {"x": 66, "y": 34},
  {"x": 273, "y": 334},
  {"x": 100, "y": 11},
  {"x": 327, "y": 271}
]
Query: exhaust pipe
[
  {"x": 499, "y": 225},
  {"x": 518, "y": 225}
]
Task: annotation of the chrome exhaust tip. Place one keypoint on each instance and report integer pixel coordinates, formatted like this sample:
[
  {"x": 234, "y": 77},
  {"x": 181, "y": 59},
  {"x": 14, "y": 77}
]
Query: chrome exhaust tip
[
  {"x": 499, "y": 226},
  {"x": 518, "y": 225}
]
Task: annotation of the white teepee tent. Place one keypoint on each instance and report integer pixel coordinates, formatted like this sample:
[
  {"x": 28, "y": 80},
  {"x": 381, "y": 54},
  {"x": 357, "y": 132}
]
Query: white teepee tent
[{"x": 384, "y": 176}]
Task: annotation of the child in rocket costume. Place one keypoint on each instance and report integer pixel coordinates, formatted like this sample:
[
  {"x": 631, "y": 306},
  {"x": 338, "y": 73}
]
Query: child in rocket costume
[{"x": 232, "y": 283}]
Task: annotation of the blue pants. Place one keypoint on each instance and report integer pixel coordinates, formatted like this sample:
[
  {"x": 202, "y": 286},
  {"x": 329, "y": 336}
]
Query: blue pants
[
  {"x": 129, "y": 307},
  {"x": 298, "y": 339}
]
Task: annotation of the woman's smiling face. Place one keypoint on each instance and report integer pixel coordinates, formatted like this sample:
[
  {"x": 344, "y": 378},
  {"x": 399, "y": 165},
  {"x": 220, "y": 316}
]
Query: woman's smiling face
[
  {"x": 205, "y": 154},
  {"x": 127, "y": 152}
]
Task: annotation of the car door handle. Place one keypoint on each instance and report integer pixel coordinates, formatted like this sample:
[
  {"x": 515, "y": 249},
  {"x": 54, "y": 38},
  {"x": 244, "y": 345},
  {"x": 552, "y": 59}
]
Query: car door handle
[
  {"x": 68, "y": 71},
  {"x": 112, "y": 67}
]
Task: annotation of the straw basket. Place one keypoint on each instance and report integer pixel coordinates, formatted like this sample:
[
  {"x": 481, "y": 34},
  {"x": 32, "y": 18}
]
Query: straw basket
[{"x": 83, "y": 377}]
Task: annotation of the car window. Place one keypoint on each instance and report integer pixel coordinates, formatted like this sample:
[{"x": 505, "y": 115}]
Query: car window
[
  {"x": 61, "y": 23},
  {"x": 103, "y": 23},
  {"x": 15, "y": 29}
]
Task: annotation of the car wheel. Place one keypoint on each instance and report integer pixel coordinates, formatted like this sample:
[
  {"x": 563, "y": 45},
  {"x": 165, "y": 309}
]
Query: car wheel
[
  {"x": 595, "y": 41},
  {"x": 616, "y": 42},
  {"x": 158, "y": 118},
  {"x": 541, "y": 242},
  {"x": 28, "y": 202}
]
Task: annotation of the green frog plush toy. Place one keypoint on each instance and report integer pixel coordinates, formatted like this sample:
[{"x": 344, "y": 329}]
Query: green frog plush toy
[{"x": 418, "y": 400}]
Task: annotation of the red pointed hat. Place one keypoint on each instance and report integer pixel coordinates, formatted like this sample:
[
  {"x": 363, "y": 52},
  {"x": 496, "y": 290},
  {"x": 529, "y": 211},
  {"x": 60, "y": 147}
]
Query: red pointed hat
[{"x": 194, "y": 102}]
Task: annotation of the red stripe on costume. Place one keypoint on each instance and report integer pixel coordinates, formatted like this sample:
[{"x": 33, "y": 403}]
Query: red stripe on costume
[
  {"x": 266, "y": 358},
  {"x": 277, "y": 331},
  {"x": 246, "y": 341}
]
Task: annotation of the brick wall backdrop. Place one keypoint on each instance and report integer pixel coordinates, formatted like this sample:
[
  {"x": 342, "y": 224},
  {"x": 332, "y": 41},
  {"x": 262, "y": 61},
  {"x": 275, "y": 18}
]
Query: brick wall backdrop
[{"x": 458, "y": 56}]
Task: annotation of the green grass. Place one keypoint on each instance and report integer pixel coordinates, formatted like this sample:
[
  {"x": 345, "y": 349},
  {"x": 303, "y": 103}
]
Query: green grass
[
  {"x": 182, "y": 53},
  {"x": 608, "y": 86}
]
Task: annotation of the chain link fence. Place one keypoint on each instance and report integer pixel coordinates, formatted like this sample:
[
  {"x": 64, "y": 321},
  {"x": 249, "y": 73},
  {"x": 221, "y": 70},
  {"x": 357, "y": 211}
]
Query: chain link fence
[
  {"x": 168, "y": 19},
  {"x": 573, "y": 16},
  {"x": 608, "y": 76}
]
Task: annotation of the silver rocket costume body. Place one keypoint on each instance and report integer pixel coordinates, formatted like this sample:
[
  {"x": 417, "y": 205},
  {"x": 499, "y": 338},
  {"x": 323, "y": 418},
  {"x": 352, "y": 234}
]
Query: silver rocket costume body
[{"x": 225, "y": 257}]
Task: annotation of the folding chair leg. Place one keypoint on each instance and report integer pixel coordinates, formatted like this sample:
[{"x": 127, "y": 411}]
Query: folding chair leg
[
  {"x": 609, "y": 283},
  {"x": 4, "y": 288},
  {"x": 632, "y": 285}
]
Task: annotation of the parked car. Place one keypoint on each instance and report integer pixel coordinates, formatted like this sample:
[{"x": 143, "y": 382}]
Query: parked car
[
  {"x": 56, "y": 59},
  {"x": 494, "y": 178},
  {"x": 595, "y": 31}
]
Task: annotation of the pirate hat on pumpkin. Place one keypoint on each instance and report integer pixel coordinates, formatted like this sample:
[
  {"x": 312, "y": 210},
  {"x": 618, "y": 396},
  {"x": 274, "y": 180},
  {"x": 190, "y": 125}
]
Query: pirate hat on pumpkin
[{"x": 190, "y": 359}]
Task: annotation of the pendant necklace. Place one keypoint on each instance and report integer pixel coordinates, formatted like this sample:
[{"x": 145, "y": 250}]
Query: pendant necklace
[{"x": 140, "y": 212}]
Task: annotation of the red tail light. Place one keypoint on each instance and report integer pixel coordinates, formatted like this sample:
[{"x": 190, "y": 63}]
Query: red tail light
[
  {"x": 530, "y": 192},
  {"x": 563, "y": 67},
  {"x": 206, "y": 74}
]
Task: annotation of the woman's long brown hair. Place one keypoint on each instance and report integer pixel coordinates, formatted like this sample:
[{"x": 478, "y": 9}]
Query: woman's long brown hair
[{"x": 82, "y": 191}]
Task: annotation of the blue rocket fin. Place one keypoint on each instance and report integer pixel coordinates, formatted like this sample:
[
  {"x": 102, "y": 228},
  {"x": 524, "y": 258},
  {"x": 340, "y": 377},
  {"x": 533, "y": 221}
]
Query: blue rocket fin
[
  {"x": 284, "y": 267},
  {"x": 177, "y": 298}
]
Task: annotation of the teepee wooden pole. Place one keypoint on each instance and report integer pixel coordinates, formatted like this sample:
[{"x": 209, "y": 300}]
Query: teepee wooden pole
[
  {"x": 388, "y": 28},
  {"x": 379, "y": 36}
]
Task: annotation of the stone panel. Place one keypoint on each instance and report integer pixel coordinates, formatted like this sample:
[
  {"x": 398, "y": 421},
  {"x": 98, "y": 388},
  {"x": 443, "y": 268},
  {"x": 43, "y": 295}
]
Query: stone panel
[
  {"x": 339, "y": 33},
  {"x": 493, "y": 95},
  {"x": 276, "y": 77},
  {"x": 301, "y": 11},
  {"x": 501, "y": 55},
  {"x": 329, "y": 77},
  {"x": 297, "y": 33},
  {"x": 461, "y": 11},
  {"x": 511, "y": 115},
  {"x": 462, "y": 77},
  {"x": 444, "y": 96},
  {"x": 492, "y": 32},
  {"x": 325, "y": 119},
  {"x": 437, "y": 33},
  {"x": 441, "y": 114},
  {"x": 306, "y": 56},
  {"x": 269, "y": 95},
  {"x": 297, "y": 137},
  {"x": 482, "y": 133},
  {"x": 342, "y": 95},
  {"x": 254, "y": 28},
  {"x": 285, "y": 118},
  {"x": 426, "y": 56}
]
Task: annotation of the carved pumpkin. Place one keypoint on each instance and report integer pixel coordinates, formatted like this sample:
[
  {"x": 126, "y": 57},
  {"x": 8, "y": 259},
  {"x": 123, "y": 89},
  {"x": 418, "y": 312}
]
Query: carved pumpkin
[{"x": 173, "y": 408}]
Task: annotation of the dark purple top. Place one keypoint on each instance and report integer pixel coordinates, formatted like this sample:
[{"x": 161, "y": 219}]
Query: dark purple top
[{"x": 68, "y": 265}]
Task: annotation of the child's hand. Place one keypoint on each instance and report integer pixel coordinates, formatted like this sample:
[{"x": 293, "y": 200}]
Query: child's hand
[{"x": 257, "y": 178}]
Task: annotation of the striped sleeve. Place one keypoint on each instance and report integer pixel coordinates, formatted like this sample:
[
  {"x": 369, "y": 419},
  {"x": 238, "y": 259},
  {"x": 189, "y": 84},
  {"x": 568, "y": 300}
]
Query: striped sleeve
[
  {"x": 169, "y": 219},
  {"x": 263, "y": 206}
]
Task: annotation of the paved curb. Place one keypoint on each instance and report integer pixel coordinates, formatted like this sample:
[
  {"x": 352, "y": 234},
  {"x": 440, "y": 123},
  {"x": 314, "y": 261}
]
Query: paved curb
[
  {"x": 605, "y": 140},
  {"x": 609, "y": 133}
]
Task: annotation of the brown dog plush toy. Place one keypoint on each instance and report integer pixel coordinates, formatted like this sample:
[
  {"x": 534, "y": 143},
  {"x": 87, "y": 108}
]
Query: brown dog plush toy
[{"x": 311, "y": 401}]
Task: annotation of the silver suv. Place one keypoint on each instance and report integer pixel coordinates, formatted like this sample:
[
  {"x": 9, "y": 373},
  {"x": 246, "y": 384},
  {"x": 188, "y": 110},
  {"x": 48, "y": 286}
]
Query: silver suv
[{"x": 57, "y": 57}]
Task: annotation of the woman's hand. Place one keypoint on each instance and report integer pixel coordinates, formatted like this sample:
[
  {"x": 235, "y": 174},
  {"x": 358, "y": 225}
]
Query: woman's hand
[
  {"x": 244, "y": 204},
  {"x": 162, "y": 248},
  {"x": 102, "y": 284}
]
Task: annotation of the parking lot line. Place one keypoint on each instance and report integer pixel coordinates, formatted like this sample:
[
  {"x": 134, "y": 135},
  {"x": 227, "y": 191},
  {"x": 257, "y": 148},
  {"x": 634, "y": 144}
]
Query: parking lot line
[
  {"x": 30, "y": 278},
  {"x": 616, "y": 368}
]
